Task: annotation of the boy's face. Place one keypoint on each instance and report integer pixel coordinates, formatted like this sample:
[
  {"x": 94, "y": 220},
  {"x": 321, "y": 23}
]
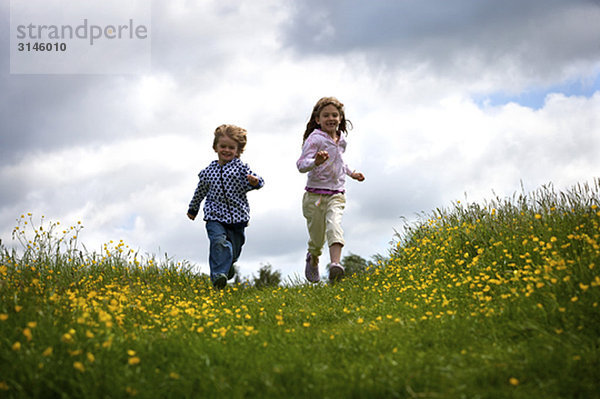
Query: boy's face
[{"x": 226, "y": 149}]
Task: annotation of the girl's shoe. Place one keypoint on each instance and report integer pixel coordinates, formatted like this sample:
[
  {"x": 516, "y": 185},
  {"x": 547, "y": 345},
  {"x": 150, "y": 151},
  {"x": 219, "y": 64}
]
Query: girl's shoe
[
  {"x": 311, "y": 272},
  {"x": 336, "y": 272}
]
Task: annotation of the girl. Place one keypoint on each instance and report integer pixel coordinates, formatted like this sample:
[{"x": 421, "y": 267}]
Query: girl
[
  {"x": 324, "y": 199},
  {"x": 225, "y": 183}
]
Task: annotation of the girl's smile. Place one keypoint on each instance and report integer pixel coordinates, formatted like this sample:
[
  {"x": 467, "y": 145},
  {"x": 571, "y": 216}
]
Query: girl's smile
[
  {"x": 226, "y": 149},
  {"x": 329, "y": 119}
]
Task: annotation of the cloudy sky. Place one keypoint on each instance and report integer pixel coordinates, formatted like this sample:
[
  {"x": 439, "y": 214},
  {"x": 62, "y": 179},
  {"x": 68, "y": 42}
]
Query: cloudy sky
[{"x": 448, "y": 99}]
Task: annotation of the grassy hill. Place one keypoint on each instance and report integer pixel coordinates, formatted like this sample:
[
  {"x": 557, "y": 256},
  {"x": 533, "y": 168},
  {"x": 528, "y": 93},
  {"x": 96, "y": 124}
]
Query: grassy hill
[{"x": 493, "y": 300}]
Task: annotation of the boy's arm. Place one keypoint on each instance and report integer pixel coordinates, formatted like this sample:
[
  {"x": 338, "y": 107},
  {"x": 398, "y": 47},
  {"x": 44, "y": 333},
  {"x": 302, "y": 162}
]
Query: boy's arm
[
  {"x": 254, "y": 180},
  {"x": 199, "y": 194}
]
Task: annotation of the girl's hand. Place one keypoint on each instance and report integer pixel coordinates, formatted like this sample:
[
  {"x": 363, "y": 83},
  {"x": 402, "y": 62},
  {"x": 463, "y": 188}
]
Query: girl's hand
[
  {"x": 253, "y": 180},
  {"x": 357, "y": 176},
  {"x": 191, "y": 216},
  {"x": 321, "y": 157}
]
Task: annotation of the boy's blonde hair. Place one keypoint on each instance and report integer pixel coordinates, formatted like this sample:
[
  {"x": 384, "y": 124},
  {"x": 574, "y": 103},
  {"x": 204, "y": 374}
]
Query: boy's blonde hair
[{"x": 235, "y": 133}]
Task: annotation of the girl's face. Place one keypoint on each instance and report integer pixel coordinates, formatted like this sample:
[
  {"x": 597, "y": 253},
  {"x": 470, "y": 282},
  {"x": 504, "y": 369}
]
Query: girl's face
[
  {"x": 329, "y": 118},
  {"x": 226, "y": 149}
]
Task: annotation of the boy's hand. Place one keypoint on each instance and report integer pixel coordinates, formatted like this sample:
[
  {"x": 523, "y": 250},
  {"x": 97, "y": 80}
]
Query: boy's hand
[
  {"x": 357, "y": 176},
  {"x": 191, "y": 216},
  {"x": 253, "y": 180},
  {"x": 321, "y": 157}
]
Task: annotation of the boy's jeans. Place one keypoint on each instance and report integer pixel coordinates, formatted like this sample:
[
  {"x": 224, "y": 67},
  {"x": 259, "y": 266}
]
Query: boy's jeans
[{"x": 225, "y": 247}]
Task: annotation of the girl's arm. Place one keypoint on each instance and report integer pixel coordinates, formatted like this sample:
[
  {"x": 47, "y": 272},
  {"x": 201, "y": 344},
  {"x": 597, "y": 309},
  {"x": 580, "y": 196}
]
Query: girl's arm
[
  {"x": 311, "y": 156},
  {"x": 354, "y": 174},
  {"x": 357, "y": 176}
]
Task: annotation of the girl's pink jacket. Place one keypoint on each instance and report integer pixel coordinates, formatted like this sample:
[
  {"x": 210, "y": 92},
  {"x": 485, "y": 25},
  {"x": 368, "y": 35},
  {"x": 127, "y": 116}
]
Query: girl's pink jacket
[{"x": 331, "y": 174}]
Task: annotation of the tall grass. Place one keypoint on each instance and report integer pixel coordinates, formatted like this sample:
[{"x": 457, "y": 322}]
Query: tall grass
[{"x": 493, "y": 300}]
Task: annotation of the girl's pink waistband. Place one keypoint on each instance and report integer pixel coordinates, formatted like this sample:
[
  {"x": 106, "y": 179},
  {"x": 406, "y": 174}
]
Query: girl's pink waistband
[{"x": 324, "y": 191}]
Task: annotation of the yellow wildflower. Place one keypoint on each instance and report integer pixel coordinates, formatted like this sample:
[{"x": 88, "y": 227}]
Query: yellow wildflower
[
  {"x": 79, "y": 366},
  {"x": 27, "y": 334}
]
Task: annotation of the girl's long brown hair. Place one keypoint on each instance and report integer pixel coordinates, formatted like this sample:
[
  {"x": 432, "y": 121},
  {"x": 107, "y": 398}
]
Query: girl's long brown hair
[{"x": 322, "y": 103}]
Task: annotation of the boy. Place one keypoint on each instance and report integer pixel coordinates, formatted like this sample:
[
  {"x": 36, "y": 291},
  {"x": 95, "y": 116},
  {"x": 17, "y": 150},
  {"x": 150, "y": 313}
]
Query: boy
[{"x": 224, "y": 184}]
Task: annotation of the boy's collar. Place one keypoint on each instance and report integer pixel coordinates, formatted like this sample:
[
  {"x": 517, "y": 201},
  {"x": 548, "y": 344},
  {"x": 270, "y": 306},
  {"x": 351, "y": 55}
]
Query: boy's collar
[{"x": 219, "y": 163}]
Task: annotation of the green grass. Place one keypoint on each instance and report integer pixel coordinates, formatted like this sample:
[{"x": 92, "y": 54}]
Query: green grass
[{"x": 494, "y": 300}]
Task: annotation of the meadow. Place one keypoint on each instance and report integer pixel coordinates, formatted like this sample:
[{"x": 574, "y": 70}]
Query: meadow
[{"x": 492, "y": 300}]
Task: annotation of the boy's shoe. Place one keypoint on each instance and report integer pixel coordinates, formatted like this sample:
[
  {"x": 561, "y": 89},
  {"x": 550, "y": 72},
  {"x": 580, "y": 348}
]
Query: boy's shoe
[
  {"x": 220, "y": 281},
  {"x": 311, "y": 273},
  {"x": 231, "y": 273},
  {"x": 336, "y": 272}
]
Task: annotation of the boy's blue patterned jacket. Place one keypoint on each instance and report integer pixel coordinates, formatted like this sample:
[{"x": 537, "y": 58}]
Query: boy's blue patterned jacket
[{"x": 224, "y": 188}]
